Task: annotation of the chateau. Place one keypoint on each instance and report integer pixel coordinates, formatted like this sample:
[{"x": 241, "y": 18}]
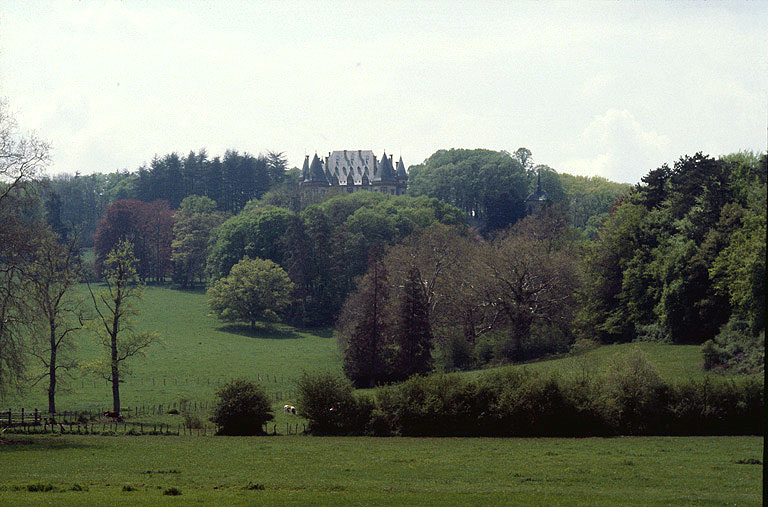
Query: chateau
[{"x": 354, "y": 170}]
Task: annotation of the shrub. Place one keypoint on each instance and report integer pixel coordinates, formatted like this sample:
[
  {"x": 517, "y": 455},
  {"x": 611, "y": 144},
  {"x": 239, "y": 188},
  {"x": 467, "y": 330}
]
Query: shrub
[
  {"x": 530, "y": 405},
  {"x": 173, "y": 411},
  {"x": 735, "y": 348},
  {"x": 172, "y": 492},
  {"x": 327, "y": 400},
  {"x": 128, "y": 488},
  {"x": 633, "y": 395},
  {"x": 543, "y": 340},
  {"x": 455, "y": 353},
  {"x": 192, "y": 420},
  {"x": 242, "y": 408}
]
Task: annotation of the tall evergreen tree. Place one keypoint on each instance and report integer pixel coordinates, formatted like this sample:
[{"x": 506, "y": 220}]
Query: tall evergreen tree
[
  {"x": 413, "y": 335},
  {"x": 364, "y": 328}
]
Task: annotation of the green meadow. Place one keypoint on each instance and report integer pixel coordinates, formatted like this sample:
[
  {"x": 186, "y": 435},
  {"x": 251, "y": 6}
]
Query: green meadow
[
  {"x": 303, "y": 471},
  {"x": 197, "y": 353}
]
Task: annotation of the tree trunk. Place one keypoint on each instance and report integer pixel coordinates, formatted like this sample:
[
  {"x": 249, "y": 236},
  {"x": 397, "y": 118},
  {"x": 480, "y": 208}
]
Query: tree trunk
[
  {"x": 115, "y": 373},
  {"x": 52, "y": 373}
]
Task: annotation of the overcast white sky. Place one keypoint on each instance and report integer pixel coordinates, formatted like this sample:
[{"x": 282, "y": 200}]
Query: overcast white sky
[{"x": 609, "y": 89}]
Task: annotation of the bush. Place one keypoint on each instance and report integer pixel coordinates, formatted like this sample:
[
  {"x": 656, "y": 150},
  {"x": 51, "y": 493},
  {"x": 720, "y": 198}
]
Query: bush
[
  {"x": 327, "y": 400},
  {"x": 455, "y": 353},
  {"x": 735, "y": 348},
  {"x": 242, "y": 408},
  {"x": 192, "y": 420},
  {"x": 634, "y": 395},
  {"x": 172, "y": 492},
  {"x": 631, "y": 399},
  {"x": 543, "y": 340}
]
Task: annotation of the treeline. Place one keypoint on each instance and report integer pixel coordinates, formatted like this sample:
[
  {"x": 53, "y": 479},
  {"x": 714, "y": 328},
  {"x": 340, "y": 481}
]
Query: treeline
[
  {"x": 79, "y": 201},
  {"x": 472, "y": 301},
  {"x": 323, "y": 249},
  {"x": 491, "y": 187},
  {"x": 630, "y": 399},
  {"x": 679, "y": 259},
  {"x": 682, "y": 259}
]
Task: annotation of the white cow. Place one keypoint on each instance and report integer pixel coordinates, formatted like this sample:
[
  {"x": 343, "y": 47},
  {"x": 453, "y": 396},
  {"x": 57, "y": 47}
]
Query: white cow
[{"x": 289, "y": 409}]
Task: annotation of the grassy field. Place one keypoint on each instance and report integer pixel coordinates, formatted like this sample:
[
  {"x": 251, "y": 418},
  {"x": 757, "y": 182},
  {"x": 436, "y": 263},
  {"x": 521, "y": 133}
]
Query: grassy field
[
  {"x": 305, "y": 471},
  {"x": 198, "y": 353},
  {"x": 673, "y": 362}
]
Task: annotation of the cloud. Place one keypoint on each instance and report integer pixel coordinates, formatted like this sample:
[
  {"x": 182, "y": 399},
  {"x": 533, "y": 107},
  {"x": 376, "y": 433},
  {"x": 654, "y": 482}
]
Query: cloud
[{"x": 616, "y": 146}]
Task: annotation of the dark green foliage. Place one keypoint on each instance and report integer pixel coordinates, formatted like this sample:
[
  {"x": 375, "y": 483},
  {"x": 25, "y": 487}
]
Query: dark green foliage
[
  {"x": 242, "y": 408},
  {"x": 489, "y": 186},
  {"x": 455, "y": 352},
  {"x": 327, "y": 400},
  {"x": 251, "y": 486},
  {"x": 629, "y": 400},
  {"x": 735, "y": 348},
  {"x": 172, "y": 492},
  {"x": 256, "y": 232},
  {"x": 681, "y": 255},
  {"x": 364, "y": 329},
  {"x": 412, "y": 335}
]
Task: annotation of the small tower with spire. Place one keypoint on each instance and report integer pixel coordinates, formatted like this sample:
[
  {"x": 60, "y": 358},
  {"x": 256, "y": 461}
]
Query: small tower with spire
[
  {"x": 537, "y": 200},
  {"x": 402, "y": 177}
]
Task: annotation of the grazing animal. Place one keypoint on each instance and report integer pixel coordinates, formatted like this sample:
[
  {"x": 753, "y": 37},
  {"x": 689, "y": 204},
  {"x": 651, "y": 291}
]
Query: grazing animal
[
  {"x": 113, "y": 415},
  {"x": 290, "y": 409}
]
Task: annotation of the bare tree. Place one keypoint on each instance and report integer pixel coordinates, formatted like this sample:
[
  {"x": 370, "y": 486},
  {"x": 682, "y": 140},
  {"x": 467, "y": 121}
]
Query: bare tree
[
  {"x": 530, "y": 274},
  {"x": 54, "y": 271},
  {"x": 21, "y": 160}
]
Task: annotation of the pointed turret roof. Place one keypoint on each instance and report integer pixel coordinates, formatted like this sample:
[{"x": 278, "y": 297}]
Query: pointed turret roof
[
  {"x": 401, "y": 174},
  {"x": 316, "y": 173},
  {"x": 305, "y": 169},
  {"x": 384, "y": 170}
]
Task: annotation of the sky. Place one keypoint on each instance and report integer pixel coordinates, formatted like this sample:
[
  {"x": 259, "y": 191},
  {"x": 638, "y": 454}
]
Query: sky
[{"x": 612, "y": 89}]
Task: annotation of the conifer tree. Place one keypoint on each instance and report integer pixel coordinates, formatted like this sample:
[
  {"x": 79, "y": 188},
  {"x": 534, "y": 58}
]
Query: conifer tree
[
  {"x": 413, "y": 335},
  {"x": 364, "y": 328}
]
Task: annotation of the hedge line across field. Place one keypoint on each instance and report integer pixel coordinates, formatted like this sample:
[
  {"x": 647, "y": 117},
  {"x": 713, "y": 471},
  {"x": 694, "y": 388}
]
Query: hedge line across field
[{"x": 631, "y": 399}]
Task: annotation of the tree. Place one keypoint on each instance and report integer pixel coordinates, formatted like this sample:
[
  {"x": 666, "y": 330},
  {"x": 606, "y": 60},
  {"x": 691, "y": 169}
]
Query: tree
[
  {"x": 192, "y": 228},
  {"x": 364, "y": 328},
  {"x": 22, "y": 159},
  {"x": 276, "y": 167},
  {"x": 115, "y": 305},
  {"x": 483, "y": 183},
  {"x": 530, "y": 275},
  {"x": 242, "y": 408},
  {"x": 55, "y": 270},
  {"x": 255, "y": 289},
  {"x": 255, "y": 232},
  {"x": 413, "y": 335},
  {"x": 147, "y": 226}
]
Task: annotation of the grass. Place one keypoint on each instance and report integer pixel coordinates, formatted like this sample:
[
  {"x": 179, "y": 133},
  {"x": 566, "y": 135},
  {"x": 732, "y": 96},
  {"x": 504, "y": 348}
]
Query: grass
[
  {"x": 386, "y": 471},
  {"x": 673, "y": 362},
  {"x": 196, "y": 355}
]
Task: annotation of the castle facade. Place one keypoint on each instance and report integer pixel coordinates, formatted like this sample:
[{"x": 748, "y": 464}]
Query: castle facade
[{"x": 354, "y": 170}]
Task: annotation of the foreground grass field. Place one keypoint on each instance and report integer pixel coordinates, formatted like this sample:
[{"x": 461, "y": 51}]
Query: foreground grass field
[{"x": 304, "y": 471}]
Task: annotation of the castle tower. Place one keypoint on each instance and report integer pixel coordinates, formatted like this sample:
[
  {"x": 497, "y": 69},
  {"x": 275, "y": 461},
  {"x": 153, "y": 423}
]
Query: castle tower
[
  {"x": 402, "y": 177},
  {"x": 537, "y": 200}
]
